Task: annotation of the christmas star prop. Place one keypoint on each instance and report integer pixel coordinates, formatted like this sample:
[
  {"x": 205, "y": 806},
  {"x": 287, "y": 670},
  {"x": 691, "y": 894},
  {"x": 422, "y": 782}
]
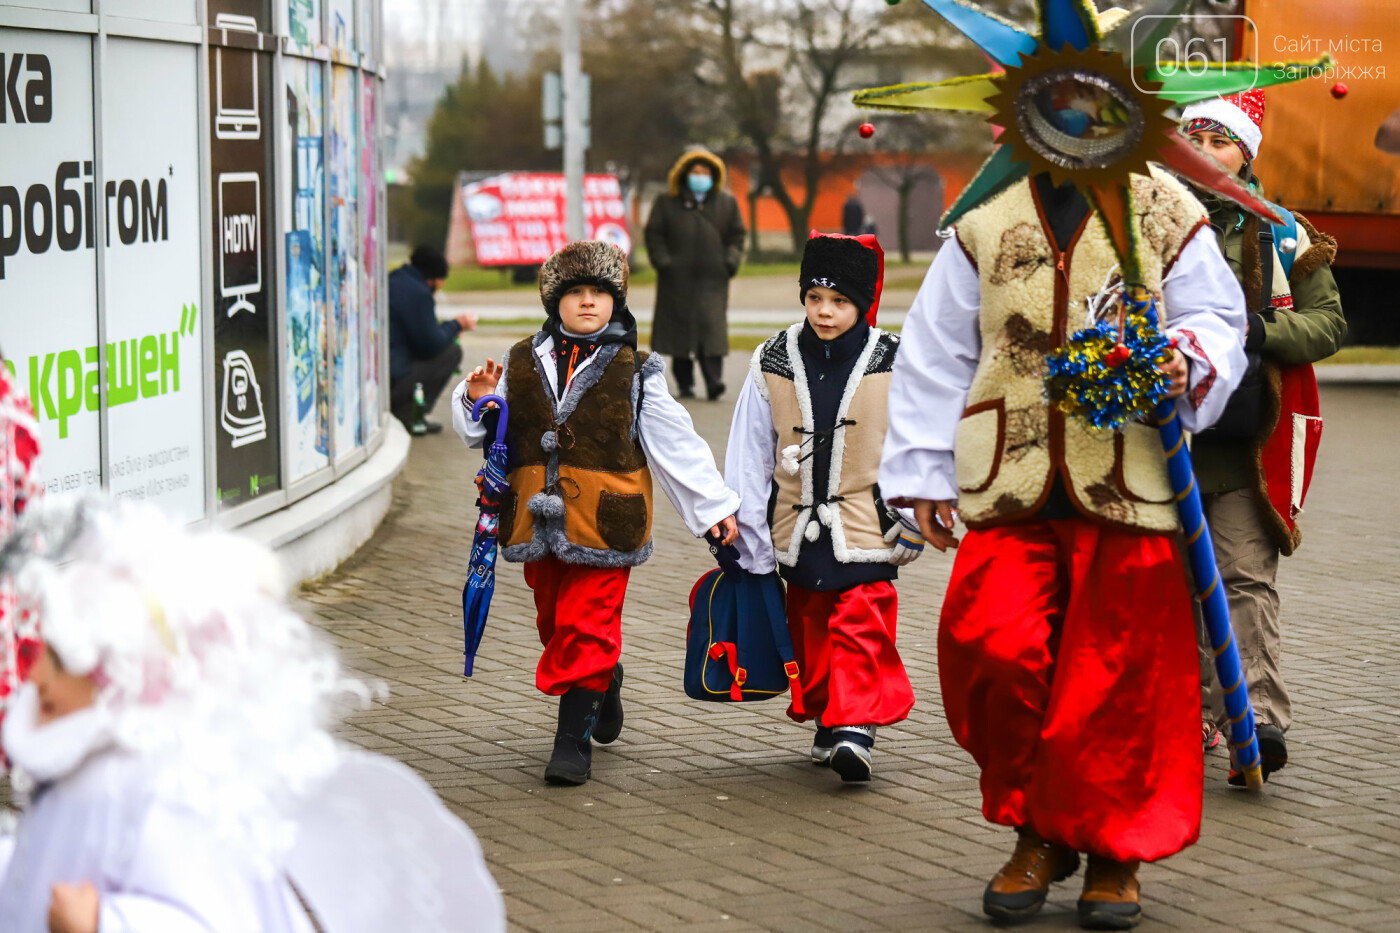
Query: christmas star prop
[{"x": 1072, "y": 102}]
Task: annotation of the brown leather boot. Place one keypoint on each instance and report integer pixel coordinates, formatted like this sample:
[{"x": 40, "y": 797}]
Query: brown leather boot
[
  {"x": 1018, "y": 890},
  {"x": 1110, "y": 898}
]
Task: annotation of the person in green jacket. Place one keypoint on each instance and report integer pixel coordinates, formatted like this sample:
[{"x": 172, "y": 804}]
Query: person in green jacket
[{"x": 1299, "y": 323}]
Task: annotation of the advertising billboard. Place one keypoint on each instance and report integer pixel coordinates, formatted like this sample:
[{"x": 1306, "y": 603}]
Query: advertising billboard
[
  {"x": 246, "y": 371},
  {"x": 48, "y": 256},
  {"x": 517, "y": 219},
  {"x": 152, "y": 279}
]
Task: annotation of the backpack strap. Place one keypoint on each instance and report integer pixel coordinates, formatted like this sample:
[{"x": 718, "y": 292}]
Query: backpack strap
[
  {"x": 1267, "y": 250},
  {"x": 782, "y": 638}
]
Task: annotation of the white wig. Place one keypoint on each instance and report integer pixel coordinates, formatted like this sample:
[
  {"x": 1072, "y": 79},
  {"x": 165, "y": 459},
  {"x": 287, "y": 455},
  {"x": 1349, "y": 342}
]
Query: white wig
[{"x": 201, "y": 666}]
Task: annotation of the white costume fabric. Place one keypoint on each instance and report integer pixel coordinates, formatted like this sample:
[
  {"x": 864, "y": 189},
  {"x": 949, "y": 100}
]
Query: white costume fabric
[
  {"x": 99, "y": 814},
  {"x": 679, "y": 458},
  {"x": 181, "y": 794},
  {"x": 941, "y": 345}
]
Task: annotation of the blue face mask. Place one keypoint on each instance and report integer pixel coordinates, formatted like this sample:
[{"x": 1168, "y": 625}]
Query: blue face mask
[{"x": 700, "y": 183}]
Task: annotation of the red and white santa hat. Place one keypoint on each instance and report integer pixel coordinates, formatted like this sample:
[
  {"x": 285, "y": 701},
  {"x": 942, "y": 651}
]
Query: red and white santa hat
[{"x": 1241, "y": 114}]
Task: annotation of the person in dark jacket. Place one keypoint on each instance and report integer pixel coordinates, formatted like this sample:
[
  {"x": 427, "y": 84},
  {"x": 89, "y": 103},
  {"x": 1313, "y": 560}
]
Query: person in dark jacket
[
  {"x": 1252, "y": 468},
  {"x": 695, "y": 239},
  {"x": 422, "y": 350},
  {"x": 853, "y": 216}
]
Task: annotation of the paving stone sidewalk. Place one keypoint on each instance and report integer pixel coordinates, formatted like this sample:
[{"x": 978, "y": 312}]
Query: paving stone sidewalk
[{"x": 708, "y": 817}]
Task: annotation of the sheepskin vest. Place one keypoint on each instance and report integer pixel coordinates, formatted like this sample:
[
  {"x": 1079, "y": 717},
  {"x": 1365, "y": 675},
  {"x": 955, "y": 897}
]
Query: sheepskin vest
[
  {"x": 850, "y": 506},
  {"x": 1010, "y": 443},
  {"x": 576, "y": 464}
]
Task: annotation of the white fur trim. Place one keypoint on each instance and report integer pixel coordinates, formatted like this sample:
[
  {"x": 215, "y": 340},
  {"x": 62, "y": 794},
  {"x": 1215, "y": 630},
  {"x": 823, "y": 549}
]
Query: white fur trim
[
  {"x": 791, "y": 462},
  {"x": 1227, "y": 114},
  {"x": 804, "y": 404},
  {"x": 756, "y": 371},
  {"x": 843, "y": 553},
  {"x": 814, "y": 531}
]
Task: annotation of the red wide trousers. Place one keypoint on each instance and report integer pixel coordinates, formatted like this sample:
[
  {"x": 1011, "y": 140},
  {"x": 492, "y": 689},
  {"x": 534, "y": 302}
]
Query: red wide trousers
[
  {"x": 578, "y": 611},
  {"x": 1066, "y": 654},
  {"x": 850, "y": 672}
]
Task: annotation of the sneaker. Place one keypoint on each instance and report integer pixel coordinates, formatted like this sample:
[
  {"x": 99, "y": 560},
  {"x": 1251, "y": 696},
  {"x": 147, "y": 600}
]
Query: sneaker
[
  {"x": 1210, "y": 734},
  {"x": 1111, "y": 896},
  {"x": 420, "y": 428},
  {"x": 822, "y": 745},
  {"x": 1018, "y": 890},
  {"x": 850, "y": 752},
  {"x": 1273, "y": 754}
]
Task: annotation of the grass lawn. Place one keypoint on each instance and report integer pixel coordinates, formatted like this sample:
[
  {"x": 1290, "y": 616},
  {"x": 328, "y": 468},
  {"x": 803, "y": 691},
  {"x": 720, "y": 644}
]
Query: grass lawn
[{"x": 1364, "y": 355}]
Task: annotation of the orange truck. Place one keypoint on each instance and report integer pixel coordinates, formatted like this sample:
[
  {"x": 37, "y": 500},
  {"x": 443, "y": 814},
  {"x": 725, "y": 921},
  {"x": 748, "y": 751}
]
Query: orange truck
[{"x": 1332, "y": 143}]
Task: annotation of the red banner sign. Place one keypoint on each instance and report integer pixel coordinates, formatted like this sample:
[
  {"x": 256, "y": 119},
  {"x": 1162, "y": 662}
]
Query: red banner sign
[{"x": 517, "y": 219}]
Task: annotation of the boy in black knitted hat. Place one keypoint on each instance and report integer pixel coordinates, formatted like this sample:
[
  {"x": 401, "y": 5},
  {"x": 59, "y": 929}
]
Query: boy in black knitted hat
[
  {"x": 804, "y": 453},
  {"x": 590, "y": 420}
]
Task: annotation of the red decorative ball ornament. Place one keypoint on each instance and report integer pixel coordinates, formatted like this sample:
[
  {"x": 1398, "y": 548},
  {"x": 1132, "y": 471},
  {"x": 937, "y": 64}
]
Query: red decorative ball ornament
[
  {"x": 866, "y": 130},
  {"x": 1340, "y": 90},
  {"x": 1118, "y": 356}
]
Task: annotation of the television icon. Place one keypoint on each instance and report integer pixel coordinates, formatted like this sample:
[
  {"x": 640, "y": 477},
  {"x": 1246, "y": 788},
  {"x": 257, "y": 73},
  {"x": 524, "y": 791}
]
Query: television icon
[
  {"x": 242, "y": 416},
  {"x": 236, "y": 84},
  {"x": 240, "y": 238}
]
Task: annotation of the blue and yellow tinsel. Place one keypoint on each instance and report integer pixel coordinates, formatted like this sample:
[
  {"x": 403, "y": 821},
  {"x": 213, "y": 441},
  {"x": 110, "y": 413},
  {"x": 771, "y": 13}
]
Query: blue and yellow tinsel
[{"x": 1106, "y": 381}]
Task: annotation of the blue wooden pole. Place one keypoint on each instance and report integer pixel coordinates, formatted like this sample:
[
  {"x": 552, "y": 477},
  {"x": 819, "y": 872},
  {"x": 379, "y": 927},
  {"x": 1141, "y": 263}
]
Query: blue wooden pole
[{"x": 1244, "y": 744}]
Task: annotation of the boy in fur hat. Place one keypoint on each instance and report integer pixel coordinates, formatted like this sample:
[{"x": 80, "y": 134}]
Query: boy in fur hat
[
  {"x": 591, "y": 419},
  {"x": 1250, "y": 488},
  {"x": 803, "y": 454}
]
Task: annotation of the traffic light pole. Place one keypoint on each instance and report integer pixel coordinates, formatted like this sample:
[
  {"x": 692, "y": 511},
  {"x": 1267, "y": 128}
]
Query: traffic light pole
[{"x": 572, "y": 79}]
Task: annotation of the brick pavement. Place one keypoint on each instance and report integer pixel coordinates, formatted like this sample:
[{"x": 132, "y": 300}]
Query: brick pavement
[{"x": 708, "y": 817}]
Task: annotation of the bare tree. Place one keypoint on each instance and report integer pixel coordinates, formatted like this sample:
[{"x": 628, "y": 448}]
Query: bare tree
[{"x": 781, "y": 69}]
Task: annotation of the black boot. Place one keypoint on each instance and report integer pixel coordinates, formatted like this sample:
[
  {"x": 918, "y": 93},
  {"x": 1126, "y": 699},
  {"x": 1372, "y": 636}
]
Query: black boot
[
  {"x": 572, "y": 759},
  {"x": 610, "y": 716}
]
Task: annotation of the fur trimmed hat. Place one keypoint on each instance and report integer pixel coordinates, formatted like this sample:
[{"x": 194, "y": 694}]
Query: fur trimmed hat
[
  {"x": 583, "y": 262},
  {"x": 852, "y": 265},
  {"x": 1241, "y": 114}
]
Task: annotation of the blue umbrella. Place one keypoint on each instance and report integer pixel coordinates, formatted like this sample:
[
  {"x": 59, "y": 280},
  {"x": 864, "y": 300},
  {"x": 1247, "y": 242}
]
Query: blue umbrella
[{"x": 481, "y": 572}]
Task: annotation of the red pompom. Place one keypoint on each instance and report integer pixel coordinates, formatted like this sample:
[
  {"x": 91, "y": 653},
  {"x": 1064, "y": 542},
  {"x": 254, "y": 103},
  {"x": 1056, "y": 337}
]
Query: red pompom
[
  {"x": 1340, "y": 90},
  {"x": 866, "y": 130},
  {"x": 1118, "y": 356}
]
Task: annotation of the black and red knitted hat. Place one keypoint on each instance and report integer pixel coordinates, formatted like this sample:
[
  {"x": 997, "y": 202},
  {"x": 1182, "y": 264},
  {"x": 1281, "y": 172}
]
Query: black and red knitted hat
[{"x": 852, "y": 265}]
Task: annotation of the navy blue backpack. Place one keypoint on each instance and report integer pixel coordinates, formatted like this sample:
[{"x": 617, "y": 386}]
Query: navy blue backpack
[{"x": 737, "y": 646}]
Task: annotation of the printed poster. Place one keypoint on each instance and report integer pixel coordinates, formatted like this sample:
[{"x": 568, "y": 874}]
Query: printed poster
[
  {"x": 306, "y": 371},
  {"x": 344, "y": 275},
  {"x": 153, "y": 287},
  {"x": 372, "y": 259}
]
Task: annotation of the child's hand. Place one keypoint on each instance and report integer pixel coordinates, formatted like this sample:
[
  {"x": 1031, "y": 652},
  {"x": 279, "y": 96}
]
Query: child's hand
[
  {"x": 1178, "y": 369},
  {"x": 727, "y": 531},
  {"x": 73, "y": 908},
  {"x": 936, "y": 522},
  {"x": 482, "y": 380}
]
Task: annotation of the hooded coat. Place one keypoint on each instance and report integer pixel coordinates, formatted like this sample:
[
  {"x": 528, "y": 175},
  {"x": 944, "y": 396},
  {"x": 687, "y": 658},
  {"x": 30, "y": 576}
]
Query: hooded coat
[{"x": 696, "y": 247}]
